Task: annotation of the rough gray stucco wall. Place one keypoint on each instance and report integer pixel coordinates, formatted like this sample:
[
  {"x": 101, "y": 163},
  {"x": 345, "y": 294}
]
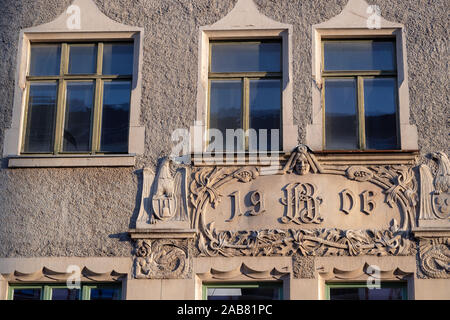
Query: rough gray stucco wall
[{"x": 86, "y": 211}]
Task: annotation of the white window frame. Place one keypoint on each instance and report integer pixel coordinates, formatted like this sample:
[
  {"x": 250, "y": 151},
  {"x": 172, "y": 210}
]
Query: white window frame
[
  {"x": 242, "y": 23},
  {"x": 92, "y": 25},
  {"x": 352, "y": 23}
]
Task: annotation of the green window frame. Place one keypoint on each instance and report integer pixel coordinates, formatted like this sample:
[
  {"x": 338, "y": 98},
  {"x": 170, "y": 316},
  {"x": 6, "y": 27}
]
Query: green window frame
[
  {"x": 62, "y": 79},
  {"x": 236, "y": 285},
  {"x": 384, "y": 284},
  {"x": 47, "y": 289},
  {"x": 359, "y": 76},
  {"x": 245, "y": 78}
]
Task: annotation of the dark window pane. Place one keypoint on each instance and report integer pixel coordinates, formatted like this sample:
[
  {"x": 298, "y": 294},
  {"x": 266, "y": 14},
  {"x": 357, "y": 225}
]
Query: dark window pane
[
  {"x": 27, "y": 294},
  {"x": 65, "y": 294},
  {"x": 115, "y": 116},
  {"x": 40, "y": 118},
  {"x": 225, "y": 108},
  {"x": 118, "y": 58},
  {"x": 105, "y": 293},
  {"x": 366, "y": 294},
  {"x": 79, "y": 105},
  {"x": 244, "y": 57},
  {"x": 380, "y": 108},
  {"x": 45, "y": 59},
  {"x": 83, "y": 59},
  {"x": 340, "y": 114},
  {"x": 265, "y": 110},
  {"x": 263, "y": 293},
  {"x": 359, "y": 55}
]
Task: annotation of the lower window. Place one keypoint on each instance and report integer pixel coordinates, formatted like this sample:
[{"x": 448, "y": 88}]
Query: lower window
[
  {"x": 241, "y": 291},
  {"x": 62, "y": 292},
  {"x": 361, "y": 291}
]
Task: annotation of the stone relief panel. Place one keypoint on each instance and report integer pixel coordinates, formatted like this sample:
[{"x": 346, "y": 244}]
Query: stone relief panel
[
  {"x": 434, "y": 192},
  {"x": 305, "y": 194},
  {"x": 164, "y": 197},
  {"x": 163, "y": 259},
  {"x": 434, "y": 257},
  {"x": 302, "y": 267},
  {"x": 306, "y": 209}
]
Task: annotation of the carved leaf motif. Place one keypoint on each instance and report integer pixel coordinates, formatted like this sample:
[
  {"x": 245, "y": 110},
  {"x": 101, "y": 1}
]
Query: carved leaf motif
[
  {"x": 434, "y": 257},
  {"x": 359, "y": 173}
]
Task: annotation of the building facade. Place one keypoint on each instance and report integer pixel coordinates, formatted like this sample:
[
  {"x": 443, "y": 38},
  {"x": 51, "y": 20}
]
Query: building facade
[{"x": 216, "y": 149}]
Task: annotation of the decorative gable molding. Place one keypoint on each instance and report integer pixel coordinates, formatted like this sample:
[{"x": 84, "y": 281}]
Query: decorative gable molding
[
  {"x": 244, "y": 21},
  {"x": 82, "y": 15},
  {"x": 245, "y": 15},
  {"x": 359, "y": 19},
  {"x": 82, "y": 20},
  {"x": 356, "y": 14}
]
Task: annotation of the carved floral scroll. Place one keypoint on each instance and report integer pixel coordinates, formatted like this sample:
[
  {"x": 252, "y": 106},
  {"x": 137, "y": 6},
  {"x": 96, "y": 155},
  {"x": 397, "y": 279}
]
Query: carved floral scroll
[
  {"x": 305, "y": 237},
  {"x": 396, "y": 182}
]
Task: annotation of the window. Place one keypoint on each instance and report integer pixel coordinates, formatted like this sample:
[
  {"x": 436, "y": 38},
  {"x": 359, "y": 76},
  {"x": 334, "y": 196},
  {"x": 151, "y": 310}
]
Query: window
[
  {"x": 245, "y": 79},
  {"x": 78, "y": 98},
  {"x": 61, "y": 292},
  {"x": 360, "y": 291},
  {"x": 360, "y": 94},
  {"x": 250, "y": 291}
]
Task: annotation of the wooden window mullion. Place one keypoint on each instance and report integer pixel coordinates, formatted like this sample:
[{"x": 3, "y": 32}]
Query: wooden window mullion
[
  {"x": 361, "y": 117},
  {"x": 246, "y": 110},
  {"x": 61, "y": 101},
  {"x": 96, "y": 121}
]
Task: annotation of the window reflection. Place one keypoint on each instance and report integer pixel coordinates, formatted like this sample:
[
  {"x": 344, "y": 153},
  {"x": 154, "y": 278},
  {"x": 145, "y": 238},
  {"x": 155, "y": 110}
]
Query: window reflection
[
  {"x": 246, "y": 57},
  {"x": 65, "y": 294},
  {"x": 105, "y": 294},
  {"x": 340, "y": 114},
  {"x": 365, "y": 293},
  {"x": 45, "y": 59},
  {"x": 27, "y": 294},
  {"x": 118, "y": 58},
  {"x": 380, "y": 107},
  {"x": 359, "y": 55},
  {"x": 265, "y": 112},
  {"x": 77, "y": 129},
  {"x": 251, "y": 292},
  {"x": 40, "y": 117},
  {"x": 83, "y": 59},
  {"x": 115, "y": 116},
  {"x": 225, "y": 108}
]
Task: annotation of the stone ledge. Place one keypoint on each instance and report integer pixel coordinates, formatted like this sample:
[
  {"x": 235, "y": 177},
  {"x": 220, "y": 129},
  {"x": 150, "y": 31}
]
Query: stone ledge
[
  {"x": 431, "y": 232},
  {"x": 126, "y": 160},
  {"x": 339, "y": 157},
  {"x": 363, "y": 157},
  {"x": 165, "y": 233}
]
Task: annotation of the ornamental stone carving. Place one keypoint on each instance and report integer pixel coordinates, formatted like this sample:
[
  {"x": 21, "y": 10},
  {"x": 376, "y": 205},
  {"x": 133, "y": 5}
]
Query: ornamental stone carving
[
  {"x": 302, "y": 206},
  {"x": 162, "y": 259},
  {"x": 303, "y": 209},
  {"x": 164, "y": 197},
  {"x": 434, "y": 192},
  {"x": 302, "y": 267},
  {"x": 310, "y": 242},
  {"x": 434, "y": 255}
]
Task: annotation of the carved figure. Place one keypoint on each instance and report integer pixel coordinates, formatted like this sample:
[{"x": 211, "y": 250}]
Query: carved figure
[
  {"x": 165, "y": 182},
  {"x": 164, "y": 198},
  {"x": 442, "y": 179},
  {"x": 434, "y": 193}
]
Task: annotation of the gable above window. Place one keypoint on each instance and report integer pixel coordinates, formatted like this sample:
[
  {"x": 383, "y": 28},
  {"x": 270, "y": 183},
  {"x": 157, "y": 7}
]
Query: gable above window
[
  {"x": 244, "y": 59},
  {"x": 77, "y": 94},
  {"x": 370, "y": 96}
]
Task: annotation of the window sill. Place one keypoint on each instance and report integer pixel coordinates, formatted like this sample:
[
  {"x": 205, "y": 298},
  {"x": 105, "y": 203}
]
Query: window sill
[
  {"x": 367, "y": 157},
  {"x": 50, "y": 161},
  {"x": 326, "y": 157},
  {"x": 267, "y": 158}
]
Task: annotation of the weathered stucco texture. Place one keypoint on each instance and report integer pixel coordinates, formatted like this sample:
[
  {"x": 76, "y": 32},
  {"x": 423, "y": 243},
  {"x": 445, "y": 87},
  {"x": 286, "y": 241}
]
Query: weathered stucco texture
[{"x": 87, "y": 211}]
